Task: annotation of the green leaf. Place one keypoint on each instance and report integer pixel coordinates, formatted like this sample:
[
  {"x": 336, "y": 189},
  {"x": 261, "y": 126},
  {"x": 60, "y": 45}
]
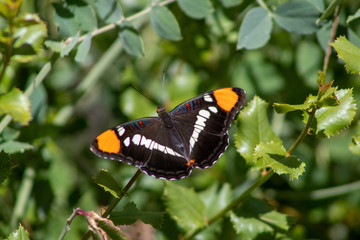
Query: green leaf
[
  {"x": 55, "y": 46},
  {"x": 108, "y": 10},
  {"x": 323, "y": 35},
  {"x": 85, "y": 17},
  {"x": 17, "y": 105},
  {"x": 10, "y": 8},
  {"x": 353, "y": 17},
  {"x": 331, "y": 120},
  {"x": 253, "y": 128},
  {"x": 30, "y": 34},
  {"x": 65, "y": 20},
  {"x": 329, "y": 10},
  {"x": 278, "y": 220},
  {"x": 273, "y": 155},
  {"x": 70, "y": 45},
  {"x": 297, "y": 16},
  {"x": 11, "y": 147},
  {"x": 188, "y": 212},
  {"x": 231, "y": 3},
  {"x": 250, "y": 228},
  {"x": 196, "y": 9},
  {"x": 83, "y": 48},
  {"x": 131, "y": 214},
  {"x": 284, "y": 108},
  {"x": 5, "y": 166},
  {"x": 20, "y": 234},
  {"x": 131, "y": 40},
  {"x": 164, "y": 23},
  {"x": 354, "y": 145},
  {"x": 216, "y": 199},
  {"x": 255, "y": 29},
  {"x": 349, "y": 53},
  {"x": 105, "y": 180}
]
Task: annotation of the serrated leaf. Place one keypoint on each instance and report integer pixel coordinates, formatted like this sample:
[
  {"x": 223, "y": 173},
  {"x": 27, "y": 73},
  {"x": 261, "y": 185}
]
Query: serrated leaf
[
  {"x": 189, "y": 211},
  {"x": 250, "y": 228},
  {"x": 297, "y": 16},
  {"x": 216, "y": 199},
  {"x": 20, "y": 234},
  {"x": 273, "y": 155},
  {"x": 131, "y": 40},
  {"x": 253, "y": 128},
  {"x": 29, "y": 35},
  {"x": 131, "y": 214},
  {"x": 11, "y": 147},
  {"x": 255, "y": 29},
  {"x": 108, "y": 10},
  {"x": 17, "y": 105},
  {"x": 278, "y": 220},
  {"x": 164, "y": 23},
  {"x": 284, "y": 108},
  {"x": 196, "y": 9},
  {"x": 349, "y": 53},
  {"x": 5, "y": 166},
  {"x": 83, "y": 48},
  {"x": 105, "y": 180},
  {"x": 331, "y": 120}
]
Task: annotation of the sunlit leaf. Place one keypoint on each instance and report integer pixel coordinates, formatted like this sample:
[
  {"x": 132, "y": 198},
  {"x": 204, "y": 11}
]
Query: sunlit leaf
[
  {"x": 55, "y": 46},
  {"x": 196, "y": 9},
  {"x": 189, "y": 211},
  {"x": 17, "y": 105},
  {"x": 284, "y": 108},
  {"x": 20, "y": 234},
  {"x": 131, "y": 214},
  {"x": 273, "y": 155},
  {"x": 10, "y": 8},
  {"x": 331, "y": 120},
  {"x": 255, "y": 29},
  {"x": 164, "y": 23},
  {"x": 231, "y": 3},
  {"x": 104, "y": 179},
  {"x": 349, "y": 53},
  {"x": 353, "y": 17},
  {"x": 253, "y": 128},
  {"x": 298, "y": 16}
]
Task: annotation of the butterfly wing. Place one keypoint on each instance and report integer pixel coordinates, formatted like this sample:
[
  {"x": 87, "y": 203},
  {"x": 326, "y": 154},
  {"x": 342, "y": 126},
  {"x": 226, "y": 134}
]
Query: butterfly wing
[
  {"x": 204, "y": 122},
  {"x": 145, "y": 143}
]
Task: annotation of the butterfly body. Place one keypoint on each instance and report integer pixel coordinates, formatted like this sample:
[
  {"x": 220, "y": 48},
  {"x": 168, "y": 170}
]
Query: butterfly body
[{"x": 193, "y": 134}]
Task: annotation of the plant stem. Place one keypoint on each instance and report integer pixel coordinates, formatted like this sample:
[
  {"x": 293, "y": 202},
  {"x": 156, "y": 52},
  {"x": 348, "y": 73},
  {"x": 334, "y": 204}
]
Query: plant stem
[
  {"x": 68, "y": 222},
  {"x": 332, "y": 36},
  {"x": 117, "y": 200},
  {"x": 235, "y": 203}
]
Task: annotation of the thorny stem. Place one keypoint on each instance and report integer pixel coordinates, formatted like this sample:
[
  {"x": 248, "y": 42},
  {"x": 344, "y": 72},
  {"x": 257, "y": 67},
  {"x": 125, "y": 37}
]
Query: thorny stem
[{"x": 304, "y": 132}]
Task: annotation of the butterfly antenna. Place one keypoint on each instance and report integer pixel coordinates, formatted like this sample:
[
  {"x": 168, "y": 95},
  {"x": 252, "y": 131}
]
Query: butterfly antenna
[
  {"x": 162, "y": 89},
  {"x": 142, "y": 93}
]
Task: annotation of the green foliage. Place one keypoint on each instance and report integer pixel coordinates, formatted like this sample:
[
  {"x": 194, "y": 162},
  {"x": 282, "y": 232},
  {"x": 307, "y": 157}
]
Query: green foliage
[{"x": 57, "y": 95}]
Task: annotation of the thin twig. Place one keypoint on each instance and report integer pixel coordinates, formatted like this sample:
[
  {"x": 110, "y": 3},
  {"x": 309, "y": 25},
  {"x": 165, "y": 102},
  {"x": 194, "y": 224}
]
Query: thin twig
[
  {"x": 68, "y": 222},
  {"x": 117, "y": 200},
  {"x": 332, "y": 36}
]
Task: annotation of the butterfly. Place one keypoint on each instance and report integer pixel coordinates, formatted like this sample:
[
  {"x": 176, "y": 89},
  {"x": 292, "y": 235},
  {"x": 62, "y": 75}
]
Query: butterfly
[{"x": 169, "y": 146}]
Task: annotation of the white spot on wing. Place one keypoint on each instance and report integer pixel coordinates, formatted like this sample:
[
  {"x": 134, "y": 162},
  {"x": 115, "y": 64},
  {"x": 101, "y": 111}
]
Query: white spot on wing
[
  {"x": 121, "y": 131},
  {"x": 208, "y": 98},
  {"x": 136, "y": 139},
  {"x": 127, "y": 142},
  {"x": 213, "y": 109},
  {"x": 204, "y": 113}
]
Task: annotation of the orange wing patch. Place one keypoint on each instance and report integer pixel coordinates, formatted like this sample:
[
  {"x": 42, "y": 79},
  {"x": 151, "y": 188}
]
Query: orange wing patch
[
  {"x": 108, "y": 142},
  {"x": 226, "y": 98}
]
